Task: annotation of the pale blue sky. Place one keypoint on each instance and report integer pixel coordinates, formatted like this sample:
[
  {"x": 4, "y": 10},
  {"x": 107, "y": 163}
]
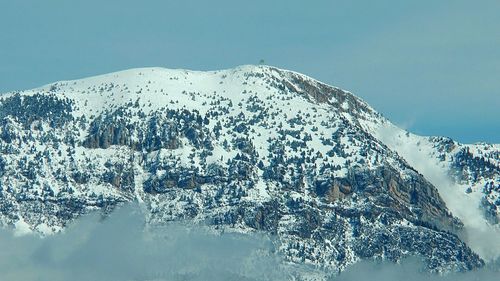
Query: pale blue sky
[{"x": 430, "y": 66}]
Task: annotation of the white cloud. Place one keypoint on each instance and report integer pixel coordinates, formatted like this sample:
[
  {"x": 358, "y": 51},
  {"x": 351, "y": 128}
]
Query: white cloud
[{"x": 120, "y": 248}]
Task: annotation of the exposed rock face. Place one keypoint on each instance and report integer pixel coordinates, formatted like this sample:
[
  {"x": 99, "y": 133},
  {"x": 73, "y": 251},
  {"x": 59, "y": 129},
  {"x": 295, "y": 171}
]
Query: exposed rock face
[
  {"x": 474, "y": 168},
  {"x": 254, "y": 148}
]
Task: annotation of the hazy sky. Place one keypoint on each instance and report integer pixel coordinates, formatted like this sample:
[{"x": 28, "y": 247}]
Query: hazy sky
[{"x": 432, "y": 67}]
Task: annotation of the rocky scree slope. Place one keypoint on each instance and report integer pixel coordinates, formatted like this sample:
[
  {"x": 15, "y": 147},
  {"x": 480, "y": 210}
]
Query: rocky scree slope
[{"x": 253, "y": 148}]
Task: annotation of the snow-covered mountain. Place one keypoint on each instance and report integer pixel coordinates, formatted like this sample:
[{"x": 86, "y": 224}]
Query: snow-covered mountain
[
  {"x": 466, "y": 175},
  {"x": 253, "y": 148}
]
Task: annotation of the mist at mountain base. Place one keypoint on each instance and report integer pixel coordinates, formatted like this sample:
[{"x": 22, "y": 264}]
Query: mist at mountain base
[{"x": 124, "y": 247}]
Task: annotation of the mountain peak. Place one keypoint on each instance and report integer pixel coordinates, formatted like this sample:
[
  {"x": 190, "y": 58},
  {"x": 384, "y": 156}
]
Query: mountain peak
[
  {"x": 244, "y": 149},
  {"x": 161, "y": 86}
]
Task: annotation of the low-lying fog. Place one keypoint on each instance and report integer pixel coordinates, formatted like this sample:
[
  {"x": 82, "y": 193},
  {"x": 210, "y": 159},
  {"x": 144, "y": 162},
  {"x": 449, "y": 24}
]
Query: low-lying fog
[{"x": 120, "y": 248}]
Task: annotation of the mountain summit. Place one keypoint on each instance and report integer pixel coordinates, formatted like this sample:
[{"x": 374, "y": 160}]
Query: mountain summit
[{"x": 254, "y": 148}]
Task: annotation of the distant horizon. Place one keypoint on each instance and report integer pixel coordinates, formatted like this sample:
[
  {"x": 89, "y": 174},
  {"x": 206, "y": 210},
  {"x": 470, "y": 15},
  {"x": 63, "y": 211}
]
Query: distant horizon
[{"x": 430, "y": 67}]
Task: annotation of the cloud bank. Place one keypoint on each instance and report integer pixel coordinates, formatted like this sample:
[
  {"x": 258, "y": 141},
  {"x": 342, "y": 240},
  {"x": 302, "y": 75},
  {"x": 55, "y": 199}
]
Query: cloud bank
[
  {"x": 119, "y": 248},
  {"x": 411, "y": 270},
  {"x": 122, "y": 248}
]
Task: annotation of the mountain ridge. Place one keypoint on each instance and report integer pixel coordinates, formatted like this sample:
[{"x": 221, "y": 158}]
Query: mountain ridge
[{"x": 249, "y": 148}]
